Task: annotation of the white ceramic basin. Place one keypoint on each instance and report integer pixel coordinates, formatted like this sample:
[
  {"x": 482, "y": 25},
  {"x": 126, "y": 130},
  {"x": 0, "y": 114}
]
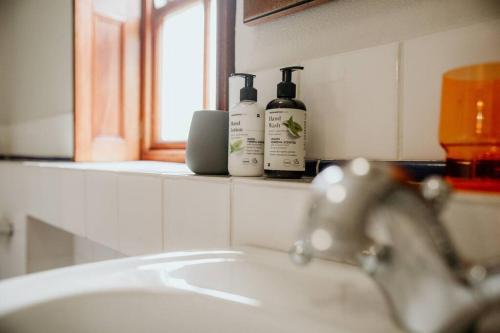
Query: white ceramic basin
[{"x": 237, "y": 291}]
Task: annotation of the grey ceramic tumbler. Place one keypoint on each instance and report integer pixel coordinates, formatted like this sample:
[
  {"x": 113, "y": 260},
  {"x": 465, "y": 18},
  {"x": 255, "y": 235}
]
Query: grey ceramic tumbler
[{"x": 206, "y": 151}]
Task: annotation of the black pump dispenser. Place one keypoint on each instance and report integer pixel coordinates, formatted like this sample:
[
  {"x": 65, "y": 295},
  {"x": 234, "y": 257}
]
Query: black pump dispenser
[
  {"x": 286, "y": 88},
  {"x": 285, "y": 131},
  {"x": 248, "y": 93}
]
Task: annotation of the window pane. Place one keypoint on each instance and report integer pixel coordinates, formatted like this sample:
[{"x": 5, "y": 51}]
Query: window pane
[
  {"x": 159, "y": 3},
  {"x": 181, "y": 70},
  {"x": 213, "y": 55}
]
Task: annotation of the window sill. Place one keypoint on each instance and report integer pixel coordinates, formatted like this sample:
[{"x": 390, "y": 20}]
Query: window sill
[
  {"x": 165, "y": 169},
  {"x": 167, "y": 155}
]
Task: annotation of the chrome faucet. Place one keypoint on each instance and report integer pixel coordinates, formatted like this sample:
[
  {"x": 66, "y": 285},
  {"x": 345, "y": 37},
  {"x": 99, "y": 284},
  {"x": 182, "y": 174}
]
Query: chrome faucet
[{"x": 369, "y": 215}]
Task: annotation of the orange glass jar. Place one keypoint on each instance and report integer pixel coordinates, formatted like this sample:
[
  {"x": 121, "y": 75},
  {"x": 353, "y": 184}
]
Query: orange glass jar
[{"x": 470, "y": 126}]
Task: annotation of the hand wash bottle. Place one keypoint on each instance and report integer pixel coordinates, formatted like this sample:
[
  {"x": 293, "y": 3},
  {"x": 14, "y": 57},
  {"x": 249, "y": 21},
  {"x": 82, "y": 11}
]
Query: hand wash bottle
[
  {"x": 246, "y": 132},
  {"x": 285, "y": 131}
]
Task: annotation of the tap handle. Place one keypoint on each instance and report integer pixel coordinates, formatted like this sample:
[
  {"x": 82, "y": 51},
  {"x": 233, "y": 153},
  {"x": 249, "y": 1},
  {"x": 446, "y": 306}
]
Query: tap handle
[{"x": 436, "y": 191}]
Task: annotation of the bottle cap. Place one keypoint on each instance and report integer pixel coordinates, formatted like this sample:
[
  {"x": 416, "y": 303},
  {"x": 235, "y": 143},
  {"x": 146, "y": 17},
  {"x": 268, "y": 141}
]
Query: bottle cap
[
  {"x": 247, "y": 93},
  {"x": 286, "y": 88}
]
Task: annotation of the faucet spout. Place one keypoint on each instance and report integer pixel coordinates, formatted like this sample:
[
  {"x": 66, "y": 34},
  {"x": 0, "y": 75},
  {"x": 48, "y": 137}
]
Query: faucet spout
[{"x": 368, "y": 215}]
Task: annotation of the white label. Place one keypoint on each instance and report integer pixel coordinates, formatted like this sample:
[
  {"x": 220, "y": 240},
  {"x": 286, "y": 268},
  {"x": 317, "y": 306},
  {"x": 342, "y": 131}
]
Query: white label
[
  {"x": 246, "y": 139},
  {"x": 285, "y": 140}
]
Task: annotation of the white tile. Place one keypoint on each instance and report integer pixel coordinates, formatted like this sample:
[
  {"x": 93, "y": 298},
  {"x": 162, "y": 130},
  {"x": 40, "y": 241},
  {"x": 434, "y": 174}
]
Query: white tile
[
  {"x": 82, "y": 250},
  {"x": 196, "y": 213},
  {"x": 13, "y": 252},
  {"x": 473, "y": 220},
  {"x": 13, "y": 183},
  {"x": 140, "y": 214},
  {"x": 4, "y": 191},
  {"x": 265, "y": 83},
  {"x": 425, "y": 60},
  {"x": 4, "y": 139},
  {"x": 73, "y": 201},
  {"x": 35, "y": 195},
  {"x": 351, "y": 100},
  {"x": 267, "y": 216},
  {"x": 50, "y": 136},
  {"x": 87, "y": 251},
  {"x": 47, "y": 247},
  {"x": 100, "y": 253},
  {"x": 49, "y": 196},
  {"x": 101, "y": 200}
]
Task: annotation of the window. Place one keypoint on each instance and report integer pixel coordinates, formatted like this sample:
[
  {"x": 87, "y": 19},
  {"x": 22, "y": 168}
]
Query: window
[
  {"x": 141, "y": 68},
  {"x": 189, "y": 51},
  {"x": 182, "y": 60}
]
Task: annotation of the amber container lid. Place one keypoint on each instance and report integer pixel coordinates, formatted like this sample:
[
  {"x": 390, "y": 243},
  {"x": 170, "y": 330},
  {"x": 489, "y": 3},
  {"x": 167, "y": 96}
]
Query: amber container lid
[{"x": 470, "y": 125}]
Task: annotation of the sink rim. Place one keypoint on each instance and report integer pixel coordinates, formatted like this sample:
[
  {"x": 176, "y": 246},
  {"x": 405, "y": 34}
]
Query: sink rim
[{"x": 317, "y": 281}]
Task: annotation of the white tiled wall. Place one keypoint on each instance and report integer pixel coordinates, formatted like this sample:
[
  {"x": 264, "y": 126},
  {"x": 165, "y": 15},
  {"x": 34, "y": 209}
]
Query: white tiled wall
[
  {"x": 87, "y": 251},
  {"x": 122, "y": 210},
  {"x": 73, "y": 193},
  {"x": 102, "y": 208},
  {"x": 50, "y": 198},
  {"x": 281, "y": 205},
  {"x": 4, "y": 135},
  {"x": 13, "y": 254},
  {"x": 352, "y": 98},
  {"x": 13, "y": 201},
  {"x": 47, "y": 247},
  {"x": 139, "y": 214},
  {"x": 424, "y": 61},
  {"x": 381, "y": 102},
  {"x": 196, "y": 212},
  {"x": 48, "y": 136},
  {"x": 474, "y": 224},
  {"x": 13, "y": 188},
  {"x": 111, "y": 213}
]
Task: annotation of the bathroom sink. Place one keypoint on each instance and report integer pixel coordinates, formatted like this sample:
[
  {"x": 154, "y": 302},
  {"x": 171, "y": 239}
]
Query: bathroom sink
[{"x": 235, "y": 290}]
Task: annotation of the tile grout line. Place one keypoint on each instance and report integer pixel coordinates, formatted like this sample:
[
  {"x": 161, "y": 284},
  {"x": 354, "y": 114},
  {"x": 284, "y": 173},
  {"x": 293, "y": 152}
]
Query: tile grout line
[
  {"x": 85, "y": 206},
  {"x": 231, "y": 187},
  {"x": 162, "y": 215},
  {"x": 117, "y": 197},
  {"x": 399, "y": 101},
  {"x": 85, "y": 237}
]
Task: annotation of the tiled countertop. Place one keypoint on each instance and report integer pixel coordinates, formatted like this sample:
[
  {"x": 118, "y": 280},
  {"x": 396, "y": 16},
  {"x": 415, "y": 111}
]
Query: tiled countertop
[{"x": 146, "y": 207}]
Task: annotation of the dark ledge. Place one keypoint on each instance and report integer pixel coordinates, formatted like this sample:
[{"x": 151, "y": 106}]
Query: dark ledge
[
  {"x": 417, "y": 170},
  {"x": 35, "y": 158}
]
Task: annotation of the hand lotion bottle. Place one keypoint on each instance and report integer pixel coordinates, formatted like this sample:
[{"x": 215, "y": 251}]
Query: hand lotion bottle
[
  {"x": 285, "y": 131},
  {"x": 246, "y": 132}
]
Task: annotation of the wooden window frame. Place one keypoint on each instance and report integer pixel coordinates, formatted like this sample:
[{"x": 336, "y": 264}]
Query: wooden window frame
[{"x": 151, "y": 146}]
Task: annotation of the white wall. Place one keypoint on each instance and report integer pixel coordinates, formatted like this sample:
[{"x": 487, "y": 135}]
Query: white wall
[
  {"x": 372, "y": 69},
  {"x": 36, "y": 76},
  {"x": 3, "y": 139},
  {"x": 347, "y": 25},
  {"x": 47, "y": 136}
]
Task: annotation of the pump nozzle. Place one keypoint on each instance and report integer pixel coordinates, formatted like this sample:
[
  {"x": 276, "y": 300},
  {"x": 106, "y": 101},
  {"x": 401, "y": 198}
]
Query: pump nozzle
[
  {"x": 286, "y": 88},
  {"x": 248, "y": 93}
]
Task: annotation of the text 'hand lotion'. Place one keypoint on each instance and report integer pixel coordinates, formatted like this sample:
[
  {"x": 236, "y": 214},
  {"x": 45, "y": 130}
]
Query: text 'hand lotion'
[{"x": 246, "y": 132}]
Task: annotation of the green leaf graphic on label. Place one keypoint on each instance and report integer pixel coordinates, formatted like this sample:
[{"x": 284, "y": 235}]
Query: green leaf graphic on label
[
  {"x": 293, "y": 128},
  {"x": 236, "y": 146}
]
